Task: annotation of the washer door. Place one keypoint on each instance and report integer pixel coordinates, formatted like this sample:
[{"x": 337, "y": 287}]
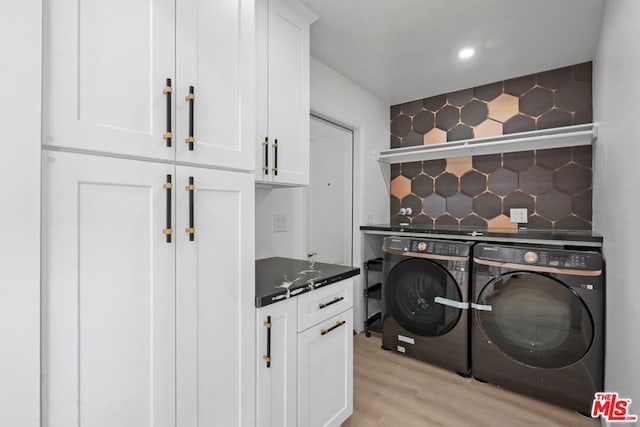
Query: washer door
[
  {"x": 535, "y": 320},
  {"x": 423, "y": 297}
]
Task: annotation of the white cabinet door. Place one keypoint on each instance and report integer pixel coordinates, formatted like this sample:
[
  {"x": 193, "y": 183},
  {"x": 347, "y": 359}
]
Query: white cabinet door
[
  {"x": 215, "y": 298},
  {"x": 108, "y": 334},
  {"x": 105, "y": 68},
  {"x": 216, "y": 55},
  {"x": 277, "y": 373},
  {"x": 325, "y": 372}
]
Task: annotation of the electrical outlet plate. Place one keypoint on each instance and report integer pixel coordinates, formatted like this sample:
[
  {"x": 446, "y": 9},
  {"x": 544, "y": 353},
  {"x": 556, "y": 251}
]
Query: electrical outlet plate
[
  {"x": 519, "y": 215},
  {"x": 279, "y": 223}
]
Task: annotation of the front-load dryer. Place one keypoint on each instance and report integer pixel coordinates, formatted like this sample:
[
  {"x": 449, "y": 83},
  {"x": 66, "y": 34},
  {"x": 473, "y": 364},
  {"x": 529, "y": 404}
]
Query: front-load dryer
[
  {"x": 538, "y": 322},
  {"x": 425, "y": 300}
]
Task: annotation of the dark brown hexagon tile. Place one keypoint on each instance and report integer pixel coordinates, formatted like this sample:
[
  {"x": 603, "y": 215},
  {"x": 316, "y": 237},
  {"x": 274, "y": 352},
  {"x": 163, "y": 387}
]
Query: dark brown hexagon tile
[
  {"x": 488, "y": 92},
  {"x": 572, "y": 223},
  {"x": 583, "y": 72},
  {"x": 411, "y": 169},
  {"x": 394, "y": 111},
  {"x": 537, "y": 101},
  {"x": 518, "y": 200},
  {"x": 553, "y": 205},
  {"x": 434, "y": 167},
  {"x": 394, "y": 205},
  {"x": 583, "y": 155},
  {"x": 582, "y": 205},
  {"x": 583, "y": 116},
  {"x": 460, "y": 97},
  {"x": 573, "y": 96},
  {"x": 502, "y": 182},
  {"x": 473, "y": 221},
  {"x": 518, "y": 161},
  {"x": 553, "y": 79},
  {"x": 421, "y": 219},
  {"x": 412, "y": 139},
  {"x": 447, "y": 117},
  {"x": 487, "y": 205},
  {"x": 536, "y": 222},
  {"x": 414, "y": 202},
  {"x": 474, "y": 113},
  {"x": 423, "y": 122},
  {"x": 434, "y": 103},
  {"x": 535, "y": 180},
  {"x": 434, "y": 205},
  {"x": 554, "y": 118},
  {"x": 459, "y": 205},
  {"x": 412, "y": 108},
  {"x": 401, "y": 125},
  {"x": 395, "y": 142},
  {"x": 473, "y": 183},
  {"x": 422, "y": 185},
  {"x": 460, "y": 132},
  {"x": 519, "y": 85},
  {"x": 446, "y": 184},
  {"x": 487, "y": 163},
  {"x": 395, "y": 170},
  {"x": 553, "y": 158},
  {"x": 572, "y": 179},
  {"x": 519, "y": 123},
  {"x": 446, "y": 221}
]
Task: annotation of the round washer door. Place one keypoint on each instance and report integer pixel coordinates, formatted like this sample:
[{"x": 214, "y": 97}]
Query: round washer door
[
  {"x": 421, "y": 296},
  {"x": 535, "y": 320}
]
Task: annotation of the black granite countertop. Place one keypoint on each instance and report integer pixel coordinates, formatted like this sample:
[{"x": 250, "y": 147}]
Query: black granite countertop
[
  {"x": 271, "y": 273},
  {"x": 584, "y": 237}
]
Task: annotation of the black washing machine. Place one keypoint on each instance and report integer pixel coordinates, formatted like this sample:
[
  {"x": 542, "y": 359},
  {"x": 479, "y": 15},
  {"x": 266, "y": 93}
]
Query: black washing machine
[
  {"x": 426, "y": 300},
  {"x": 538, "y": 322}
]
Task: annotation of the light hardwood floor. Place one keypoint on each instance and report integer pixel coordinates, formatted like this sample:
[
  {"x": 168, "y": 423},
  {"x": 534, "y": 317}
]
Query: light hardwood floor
[{"x": 391, "y": 390}]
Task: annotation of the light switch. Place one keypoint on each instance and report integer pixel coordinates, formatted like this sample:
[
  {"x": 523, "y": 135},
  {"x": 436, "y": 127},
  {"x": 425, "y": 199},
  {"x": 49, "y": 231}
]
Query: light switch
[
  {"x": 519, "y": 215},
  {"x": 279, "y": 223}
]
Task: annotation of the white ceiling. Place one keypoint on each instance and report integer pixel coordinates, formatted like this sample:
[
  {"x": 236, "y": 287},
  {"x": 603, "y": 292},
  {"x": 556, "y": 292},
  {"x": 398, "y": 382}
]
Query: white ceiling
[{"x": 402, "y": 50}]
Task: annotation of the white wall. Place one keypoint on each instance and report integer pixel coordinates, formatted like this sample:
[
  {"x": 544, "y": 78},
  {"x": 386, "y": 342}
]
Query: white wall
[
  {"x": 282, "y": 201},
  {"x": 20, "y": 74},
  {"x": 616, "y": 194}
]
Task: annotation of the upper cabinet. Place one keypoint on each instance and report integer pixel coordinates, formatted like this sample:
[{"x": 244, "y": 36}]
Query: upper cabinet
[
  {"x": 282, "y": 154},
  {"x": 160, "y": 79}
]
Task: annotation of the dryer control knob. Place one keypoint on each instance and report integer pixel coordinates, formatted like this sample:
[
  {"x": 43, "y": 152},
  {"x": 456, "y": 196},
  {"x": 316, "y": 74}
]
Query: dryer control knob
[
  {"x": 422, "y": 246},
  {"x": 530, "y": 257}
]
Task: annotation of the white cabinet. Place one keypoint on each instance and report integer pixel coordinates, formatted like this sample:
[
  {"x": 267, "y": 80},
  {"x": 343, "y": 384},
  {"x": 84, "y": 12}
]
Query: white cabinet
[
  {"x": 133, "y": 324},
  {"x": 277, "y": 376},
  {"x": 282, "y": 155},
  {"x": 107, "y": 65}
]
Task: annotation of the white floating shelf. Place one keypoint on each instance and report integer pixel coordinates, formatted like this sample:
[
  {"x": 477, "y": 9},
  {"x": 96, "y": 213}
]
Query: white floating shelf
[{"x": 567, "y": 136}]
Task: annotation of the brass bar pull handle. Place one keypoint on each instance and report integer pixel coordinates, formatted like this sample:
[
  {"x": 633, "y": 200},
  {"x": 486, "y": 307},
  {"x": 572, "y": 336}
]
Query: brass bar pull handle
[
  {"x": 168, "y": 135},
  {"x": 337, "y": 325},
  {"x": 190, "y": 98},
  {"x": 191, "y": 230},
  {"x": 275, "y": 157},
  {"x": 267, "y": 357},
  {"x": 266, "y": 155},
  {"x": 168, "y": 185},
  {"x": 327, "y": 304}
]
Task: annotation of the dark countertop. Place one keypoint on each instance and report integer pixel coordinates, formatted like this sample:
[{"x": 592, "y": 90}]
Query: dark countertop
[
  {"x": 582, "y": 237},
  {"x": 271, "y": 272}
]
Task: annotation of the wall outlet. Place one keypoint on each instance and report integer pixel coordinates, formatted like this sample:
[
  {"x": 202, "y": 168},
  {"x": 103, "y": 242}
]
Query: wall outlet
[
  {"x": 279, "y": 223},
  {"x": 519, "y": 215}
]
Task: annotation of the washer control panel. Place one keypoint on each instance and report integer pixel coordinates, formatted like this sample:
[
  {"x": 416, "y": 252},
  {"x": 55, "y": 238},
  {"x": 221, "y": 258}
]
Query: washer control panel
[
  {"x": 575, "y": 260},
  {"x": 426, "y": 246}
]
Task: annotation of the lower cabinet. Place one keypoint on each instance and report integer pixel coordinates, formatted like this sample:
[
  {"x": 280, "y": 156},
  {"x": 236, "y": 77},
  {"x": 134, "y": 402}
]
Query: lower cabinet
[{"x": 305, "y": 359}]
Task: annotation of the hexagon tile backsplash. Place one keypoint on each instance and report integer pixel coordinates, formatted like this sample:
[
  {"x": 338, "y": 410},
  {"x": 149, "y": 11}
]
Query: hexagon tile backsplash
[{"x": 554, "y": 185}]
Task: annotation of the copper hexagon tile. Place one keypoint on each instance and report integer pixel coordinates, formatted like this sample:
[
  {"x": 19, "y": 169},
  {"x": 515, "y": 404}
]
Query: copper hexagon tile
[
  {"x": 572, "y": 179},
  {"x": 459, "y": 132},
  {"x": 411, "y": 169},
  {"x": 572, "y": 222},
  {"x": 518, "y": 123},
  {"x": 401, "y": 125},
  {"x": 422, "y": 185},
  {"x": 434, "y": 136},
  {"x": 459, "y": 205},
  {"x": 434, "y": 103},
  {"x": 487, "y": 205},
  {"x": 447, "y": 117},
  {"x": 487, "y": 128},
  {"x": 502, "y": 222},
  {"x": 519, "y": 85},
  {"x": 487, "y": 163},
  {"x": 411, "y": 108},
  {"x": 554, "y": 118},
  {"x": 502, "y": 181},
  {"x": 400, "y": 187},
  {"x": 473, "y": 221},
  {"x": 473, "y": 183},
  {"x": 460, "y": 97},
  {"x": 446, "y": 184},
  {"x": 536, "y": 102},
  {"x": 535, "y": 180},
  {"x": 553, "y": 79},
  {"x": 574, "y": 96},
  {"x": 503, "y": 107},
  {"x": 446, "y": 221},
  {"x": 434, "y": 205},
  {"x": 553, "y": 205},
  {"x": 458, "y": 166},
  {"x": 423, "y": 122},
  {"x": 518, "y": 161},
  {"x": 553, "y": 158},
  {"x": 582, "y": 205},
  {"x": 474, "y": 113},
  {"x": 434, "y": 167},
  {"x": 518, "y": 200},
  {"x": 488, "y": 92},
  {"x": 411, "y": 139}
]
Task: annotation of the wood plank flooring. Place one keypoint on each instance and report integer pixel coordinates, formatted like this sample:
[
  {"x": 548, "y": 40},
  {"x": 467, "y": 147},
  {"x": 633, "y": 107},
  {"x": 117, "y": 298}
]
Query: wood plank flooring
[{"x": 391, "y": 390}]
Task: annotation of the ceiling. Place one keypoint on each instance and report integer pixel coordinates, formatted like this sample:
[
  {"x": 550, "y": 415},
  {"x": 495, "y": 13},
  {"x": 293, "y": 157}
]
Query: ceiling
[{"x": 402, "y": 50}]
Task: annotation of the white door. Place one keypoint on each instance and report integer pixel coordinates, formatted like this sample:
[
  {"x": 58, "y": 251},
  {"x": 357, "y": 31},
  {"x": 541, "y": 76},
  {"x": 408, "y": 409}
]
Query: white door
[
  {"x": 325, "y": 372},
  {"x": 215, "y": 55},
  {"x": 105, "y": 67},
  {"x": 215, "y": 298},
  {"x": 288, "y": 94},
  {"x": 277, "y": 345},
  {"x": 108, "y": 334},
  {"x": 330, "y": 195}
]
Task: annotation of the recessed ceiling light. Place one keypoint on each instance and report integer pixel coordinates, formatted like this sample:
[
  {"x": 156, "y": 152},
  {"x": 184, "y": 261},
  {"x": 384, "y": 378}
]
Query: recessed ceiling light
[{"x": 466, "y": 53}]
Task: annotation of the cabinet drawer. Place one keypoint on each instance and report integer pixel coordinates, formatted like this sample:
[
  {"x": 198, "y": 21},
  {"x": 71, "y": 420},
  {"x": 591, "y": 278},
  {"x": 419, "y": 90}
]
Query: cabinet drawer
[{"x": 319, "y": 305}]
